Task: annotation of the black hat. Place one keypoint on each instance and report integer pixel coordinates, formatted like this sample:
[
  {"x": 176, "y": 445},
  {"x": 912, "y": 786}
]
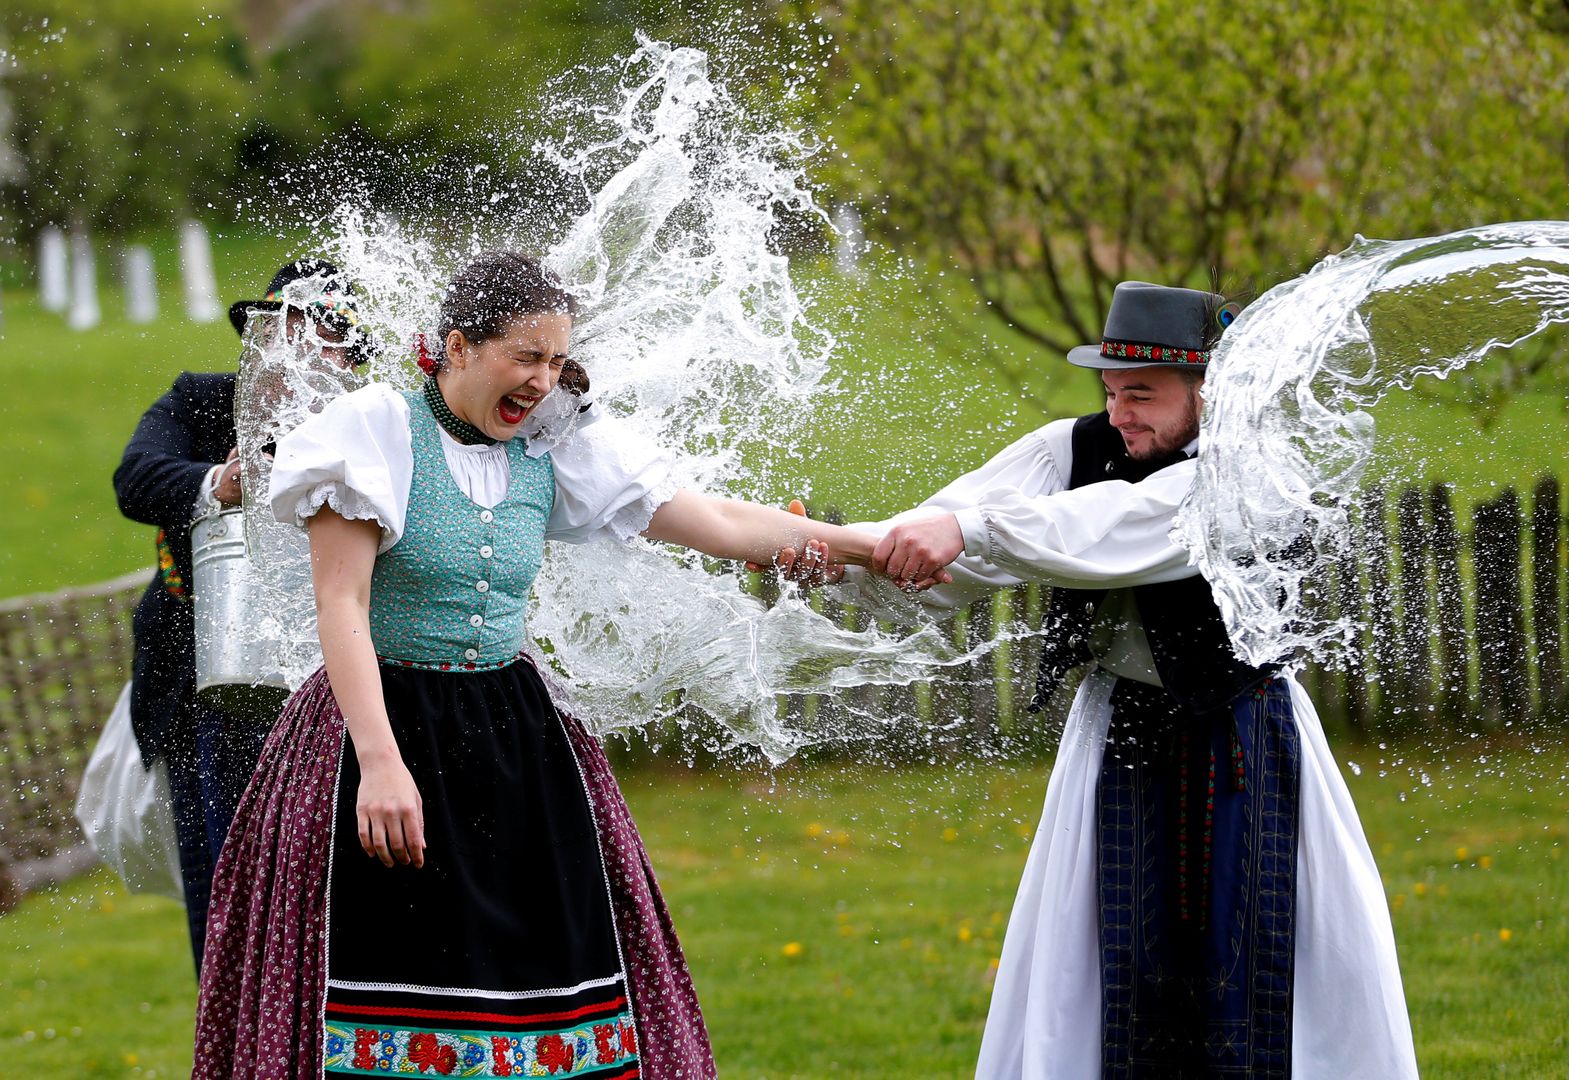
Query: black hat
[
  {"x": 1157, "y": 326},
  {"x": 335, "y": 299}
]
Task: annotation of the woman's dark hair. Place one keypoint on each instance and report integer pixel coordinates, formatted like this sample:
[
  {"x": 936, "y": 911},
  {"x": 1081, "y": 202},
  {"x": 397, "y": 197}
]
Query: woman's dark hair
[{"x": 497, "y": 287}]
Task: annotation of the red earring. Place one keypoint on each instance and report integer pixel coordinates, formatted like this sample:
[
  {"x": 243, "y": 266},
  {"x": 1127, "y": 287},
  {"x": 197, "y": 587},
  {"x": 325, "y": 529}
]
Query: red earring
[{"x": 422, "y": 356}]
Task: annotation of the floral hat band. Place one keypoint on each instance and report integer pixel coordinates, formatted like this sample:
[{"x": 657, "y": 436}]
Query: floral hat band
[
  {"x": 336, "y": 309},
  {"x": 1160, "y": 354}
]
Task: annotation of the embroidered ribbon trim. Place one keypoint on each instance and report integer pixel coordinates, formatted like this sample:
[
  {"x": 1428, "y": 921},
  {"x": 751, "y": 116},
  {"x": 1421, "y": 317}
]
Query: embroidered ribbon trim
[
  {"x": 167, "y": 571},
  {"x": 1166, "y": 354},
  {"x": 450, "y": 665}
]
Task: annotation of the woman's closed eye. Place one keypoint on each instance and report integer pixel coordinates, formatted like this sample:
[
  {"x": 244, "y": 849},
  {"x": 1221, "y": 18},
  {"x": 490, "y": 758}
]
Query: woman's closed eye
[{"x": 531, "y": 358}]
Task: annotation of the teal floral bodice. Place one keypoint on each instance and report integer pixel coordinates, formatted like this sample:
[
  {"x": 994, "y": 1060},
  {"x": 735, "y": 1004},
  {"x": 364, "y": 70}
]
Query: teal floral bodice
[{"x": 452, "y": 593}]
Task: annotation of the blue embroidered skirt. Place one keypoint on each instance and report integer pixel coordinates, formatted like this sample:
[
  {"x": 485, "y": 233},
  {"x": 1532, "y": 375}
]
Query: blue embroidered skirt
[{"x": 1197, "y": 849}]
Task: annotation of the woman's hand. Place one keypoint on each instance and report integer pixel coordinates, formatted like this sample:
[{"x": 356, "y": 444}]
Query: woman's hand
[{"x": 391, "y": 813}]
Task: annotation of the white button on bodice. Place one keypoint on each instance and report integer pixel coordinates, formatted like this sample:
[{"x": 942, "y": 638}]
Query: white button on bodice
[
  {"x": 482, "y": 586},
  {"x": 471, "y": 654},
  {"x": 476, "y": 620},
  {"x": 486, "y": 516},
  {"x": 485, "y": 552}
]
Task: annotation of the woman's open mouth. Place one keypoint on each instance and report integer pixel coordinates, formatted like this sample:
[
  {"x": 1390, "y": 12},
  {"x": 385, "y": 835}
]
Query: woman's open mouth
[{"x": 512, "y": 408}]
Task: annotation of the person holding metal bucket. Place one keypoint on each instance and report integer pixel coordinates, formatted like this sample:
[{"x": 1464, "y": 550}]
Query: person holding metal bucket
[{"x": 181, "y": 465}]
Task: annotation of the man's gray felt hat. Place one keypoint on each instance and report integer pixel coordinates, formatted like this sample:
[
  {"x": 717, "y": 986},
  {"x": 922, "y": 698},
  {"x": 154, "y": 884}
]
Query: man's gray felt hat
[{"x": 1156, "y": 326}]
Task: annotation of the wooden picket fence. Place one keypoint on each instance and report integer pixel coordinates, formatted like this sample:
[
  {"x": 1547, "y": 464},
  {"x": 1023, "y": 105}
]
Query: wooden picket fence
[{"x": 1462, "y": 630}]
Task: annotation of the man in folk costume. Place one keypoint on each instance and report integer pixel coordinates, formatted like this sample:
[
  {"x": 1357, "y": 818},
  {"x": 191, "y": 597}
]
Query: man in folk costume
[
  {"x": 180, "y": 464},
  {"x": 1199, "y": 899}
]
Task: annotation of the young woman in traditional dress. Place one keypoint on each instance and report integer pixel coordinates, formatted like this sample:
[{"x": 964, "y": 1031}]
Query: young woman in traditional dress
[{"x": 456, "y": 888}]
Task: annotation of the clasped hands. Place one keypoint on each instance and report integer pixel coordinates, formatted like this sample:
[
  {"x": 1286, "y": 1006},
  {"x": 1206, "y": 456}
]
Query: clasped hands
[{"x": 912, "y": 555}]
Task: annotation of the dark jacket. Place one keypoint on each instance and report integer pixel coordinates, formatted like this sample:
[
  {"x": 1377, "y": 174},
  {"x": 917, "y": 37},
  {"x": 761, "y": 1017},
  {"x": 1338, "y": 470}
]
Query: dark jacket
[
  {"x": 1187, "y": 636},
  {"x": 183, "y": 435}
]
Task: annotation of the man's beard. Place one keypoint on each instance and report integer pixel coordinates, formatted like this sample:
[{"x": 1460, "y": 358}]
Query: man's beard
[{"x": 1167, "y": 444}]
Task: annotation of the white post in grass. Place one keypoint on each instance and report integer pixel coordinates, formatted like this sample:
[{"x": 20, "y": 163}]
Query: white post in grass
[
  {"x": 850, "y": 239},
  {"x": 141, "y": 288},
  {"x": 84, "y": 313},
  {"x": 201, "y": 288},
  {"x": 54, "y": 287}
]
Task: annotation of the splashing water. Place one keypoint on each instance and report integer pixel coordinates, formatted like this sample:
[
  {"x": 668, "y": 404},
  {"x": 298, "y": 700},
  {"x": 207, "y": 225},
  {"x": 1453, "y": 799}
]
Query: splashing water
[
  {"x": 1288, "y": 436},
  {"x": 694, "y": 334}
]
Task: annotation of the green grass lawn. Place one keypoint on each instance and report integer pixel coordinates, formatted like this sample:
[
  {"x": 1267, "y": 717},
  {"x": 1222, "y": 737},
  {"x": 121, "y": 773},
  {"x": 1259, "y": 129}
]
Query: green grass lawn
[{"x": 844, "y": 920}]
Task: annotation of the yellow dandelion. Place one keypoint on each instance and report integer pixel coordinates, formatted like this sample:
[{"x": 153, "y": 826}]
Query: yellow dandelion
[
  {"x": 131, "y": 1059},
  {"x": 841, "y": 838},
  {"x": 966, "y": 934},
  {"x": 792, "y": 949},
  {"x": 1420, "y": 888},
  {"x": 814, "y": 830},
  {"x": 906, "y": 943},
  {"x": 1505, "y": 934},
  {"x": 1462, "y": 853},
  {"x": 950, "y": 834},
  {"x": 846, "y": 930},
  {"x": 1485, "y": 862}
]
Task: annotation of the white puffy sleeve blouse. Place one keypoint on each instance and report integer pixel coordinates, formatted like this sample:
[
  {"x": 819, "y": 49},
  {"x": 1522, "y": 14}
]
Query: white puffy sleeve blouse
[
  {"x": 1020, "y": 523},
  {"x": 356, "y": 456}
]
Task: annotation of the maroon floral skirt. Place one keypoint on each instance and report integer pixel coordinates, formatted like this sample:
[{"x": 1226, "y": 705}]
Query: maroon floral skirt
[{"x": 266, "y": 1009}]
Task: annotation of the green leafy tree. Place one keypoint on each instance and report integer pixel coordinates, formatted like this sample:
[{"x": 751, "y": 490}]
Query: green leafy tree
[
  {"x": 1051, "y": 148},
  {"x": 123, "y": 110}
]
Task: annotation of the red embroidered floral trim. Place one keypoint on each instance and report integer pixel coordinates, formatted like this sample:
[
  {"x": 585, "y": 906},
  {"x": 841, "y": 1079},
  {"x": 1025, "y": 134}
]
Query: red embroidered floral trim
[
  {"x": 357, "y": 1049},
  {"x": 1166, "y": 354},
  {"x": 168, "y": 571}
]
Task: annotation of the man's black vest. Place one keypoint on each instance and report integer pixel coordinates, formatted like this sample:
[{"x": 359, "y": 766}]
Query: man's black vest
[{"x": 1187, "y": 636}]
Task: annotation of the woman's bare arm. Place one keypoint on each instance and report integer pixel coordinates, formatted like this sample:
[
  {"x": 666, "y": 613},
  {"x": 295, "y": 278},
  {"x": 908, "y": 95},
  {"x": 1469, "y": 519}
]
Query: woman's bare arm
[
  {"x": 730, "y": 529},
  {"x": 391, "y": 817}
]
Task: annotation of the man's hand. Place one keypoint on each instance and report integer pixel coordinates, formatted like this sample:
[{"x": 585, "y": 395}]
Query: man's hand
[
  {"x": 914, "y": 553},
  {"x": 227, "y": 489}
]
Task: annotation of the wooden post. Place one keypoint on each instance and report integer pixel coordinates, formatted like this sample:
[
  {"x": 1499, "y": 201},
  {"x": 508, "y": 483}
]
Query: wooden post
[
  {"x": 10, "y": 892},
  {"x": 1454, "y": 640},
  {"x": 1380, "y": 595},
  {"x": 1414, "y": 644},
  {"x": 1546, "y": 590},
  {"x": 983, "y": 678},
  {"x": 950, "y": 694},
  {"x": 1348, "y": 586},
  {"x": 1029, "y": 603},
  {"x": 1500, "y": 618}
]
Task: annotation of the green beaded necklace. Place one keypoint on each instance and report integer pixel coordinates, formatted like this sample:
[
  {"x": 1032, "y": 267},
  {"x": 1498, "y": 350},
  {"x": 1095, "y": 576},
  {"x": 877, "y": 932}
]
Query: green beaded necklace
[{"x": 461, "y": 430}]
